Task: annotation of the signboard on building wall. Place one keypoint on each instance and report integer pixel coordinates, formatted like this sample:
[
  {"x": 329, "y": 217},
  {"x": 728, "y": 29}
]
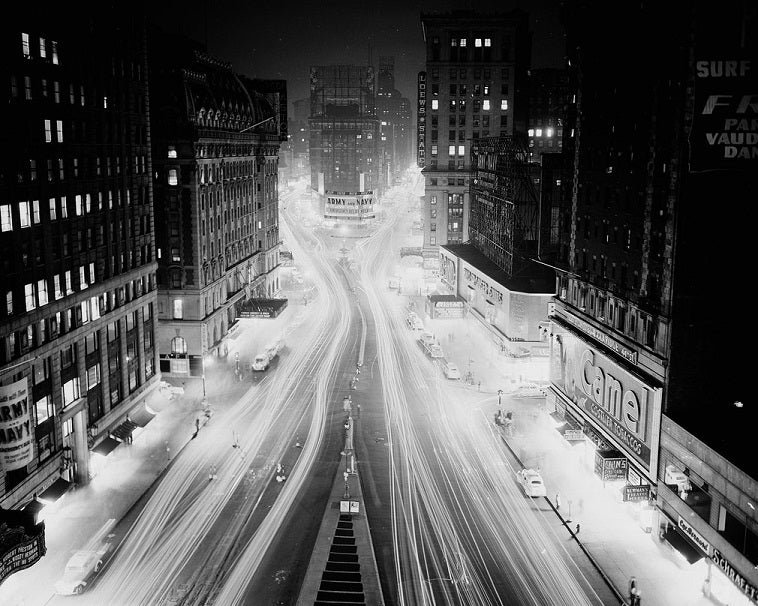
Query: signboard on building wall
[
  {"x": 421, "y": 120},
  {"x": 611, "y": 397},
  {"x": 636, "y": 493},
  {"x": 609, "y": 468},
  {"x": 15, "y": 426},
  {"x": 724, "y": 126}
]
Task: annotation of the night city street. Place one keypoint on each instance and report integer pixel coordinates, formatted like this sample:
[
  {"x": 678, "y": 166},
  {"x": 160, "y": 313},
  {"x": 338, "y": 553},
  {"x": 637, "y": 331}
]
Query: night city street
[{"x": 378, "y": 304}]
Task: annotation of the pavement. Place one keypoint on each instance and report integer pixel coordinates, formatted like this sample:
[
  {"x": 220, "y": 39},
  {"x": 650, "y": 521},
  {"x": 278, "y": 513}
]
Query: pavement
[
  {"x": 130, "y": 470},
  {"x": 609, "y": 532}
]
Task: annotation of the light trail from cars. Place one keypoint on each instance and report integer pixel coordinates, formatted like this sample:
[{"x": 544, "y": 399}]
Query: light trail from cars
[
  {"x": 164, "y": 544},
  {"x": 460, "y": 522}
]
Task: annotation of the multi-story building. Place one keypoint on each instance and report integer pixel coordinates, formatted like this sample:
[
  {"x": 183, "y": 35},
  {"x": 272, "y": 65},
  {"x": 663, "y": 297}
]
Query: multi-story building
[
  {"x": 548, "y": 99},
  {"x": 476, "y": 86},
  {"x": 496, "y": 271},
  {"x": 215, "y": 140},
  {"x": 344, "y": 137},
  {"x": 299, "y": 137},
  {"x": 77, "y": 351},
  {"x": 393, "y": 111},
  {"x": 645, "y": 365}
]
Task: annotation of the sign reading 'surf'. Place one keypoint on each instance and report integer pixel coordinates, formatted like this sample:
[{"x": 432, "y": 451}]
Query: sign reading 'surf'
[{"x": 611, "y": 396}]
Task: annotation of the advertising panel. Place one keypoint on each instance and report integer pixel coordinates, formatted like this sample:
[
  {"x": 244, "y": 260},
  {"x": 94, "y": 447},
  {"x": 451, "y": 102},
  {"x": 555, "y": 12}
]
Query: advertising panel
[
  {"x": 15, "y": 426},
  {"x": 27, "y": 551},
  {"x": 614, "y": 399},
  {"x": 724, "y": 126},
  {"x": 421, "y": 120},
  {"x": 609, "y": 468},
  {"x": 636, "y": 493}
]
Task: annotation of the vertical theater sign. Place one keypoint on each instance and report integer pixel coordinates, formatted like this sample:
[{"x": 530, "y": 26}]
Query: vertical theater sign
[
  {"x": 610, "y": 397},
  {"x": 421, "y": 120}
]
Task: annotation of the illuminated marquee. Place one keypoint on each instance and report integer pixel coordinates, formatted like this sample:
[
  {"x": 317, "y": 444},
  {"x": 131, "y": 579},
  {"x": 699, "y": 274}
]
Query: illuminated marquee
[{"x": 485, "y": 287}]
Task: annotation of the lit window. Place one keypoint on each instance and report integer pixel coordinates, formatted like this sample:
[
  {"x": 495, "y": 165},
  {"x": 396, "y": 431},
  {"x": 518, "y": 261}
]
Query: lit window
[
  {"x": 35, "y": 211},
  {"x": 29, "y": 297},
  {"x": 64, "y": 208},
  {"x": 451, "y": 150},
  {"x": 24, "y": 215},
  {"x": 461, "y": 150},
  {"x": 531, "y": 132},
  {"x": 91, "y": 273},
  {"x": 54, "y": 48},
  {"x": 435, "y": 104},
  {"x": 57, "y": 286},
  {"x": 171, "y": 151},
  {"x": 178, "y": 309},
  {"x": 538, "y": 132},
  {"x": 487, "y": 42},
  {"x": 463, "y": 42},
  {"x": 478, "y": 42},
  {"x": 433, "y": 200},
  {"x": 82, "y": 278},
  {"x": 486, "y": 89},
  {"x": 42, "y": 48},
  {"x": 175, "y": 256},
  {"x": 70, "y": 391},
  {"x": 48, "y": 132},
  {"x": 434, "y": 150},
  {"x": 42, "y": 292},
  {"x": 549, "y": 132},
  {"x": 486, "y": 104},
  {"x": 172, "y": 177},
  {"x": 78, "y": 205},
  {"x": 453, "y": 42},
  {"x": 504, "y": 104},
  {"x": 6, "y": 219},
  {"x": 69, "y": 288},
  {"x": 25, "y": 46},
  {"x": 27, "y": 87},
  {"x": 9, "y": 302},
  {"x": 105, "y": 102},
  {"x": 59, "y": 128}
]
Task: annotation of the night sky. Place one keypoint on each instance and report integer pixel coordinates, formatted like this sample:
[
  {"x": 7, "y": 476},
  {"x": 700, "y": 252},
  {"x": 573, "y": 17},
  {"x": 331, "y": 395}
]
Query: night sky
[{"x": 282, "y": 39}]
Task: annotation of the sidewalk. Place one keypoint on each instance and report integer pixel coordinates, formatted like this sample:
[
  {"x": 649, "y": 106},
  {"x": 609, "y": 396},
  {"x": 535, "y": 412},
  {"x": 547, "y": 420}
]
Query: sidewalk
[{"x": 609, "y": 528}]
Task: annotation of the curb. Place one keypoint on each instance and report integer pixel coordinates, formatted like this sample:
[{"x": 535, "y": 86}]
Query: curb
[{"x": 592, "y": 560}]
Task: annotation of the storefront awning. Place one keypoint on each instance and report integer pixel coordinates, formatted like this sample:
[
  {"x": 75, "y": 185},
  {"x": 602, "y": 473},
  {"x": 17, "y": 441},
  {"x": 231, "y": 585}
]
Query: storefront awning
[
  {"x": 106, "y": 446},
  {"x": 674, "y": 538},
  {"x": 55, "y": 491}
]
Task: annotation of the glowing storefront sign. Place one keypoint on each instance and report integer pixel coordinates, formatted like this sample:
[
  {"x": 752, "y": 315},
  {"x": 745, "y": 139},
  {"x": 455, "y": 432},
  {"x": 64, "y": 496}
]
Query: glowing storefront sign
[
  {"x": 615, "y": 399},
  {"x": 694, "y": 535},
  {"x": 421, "y": 120}
]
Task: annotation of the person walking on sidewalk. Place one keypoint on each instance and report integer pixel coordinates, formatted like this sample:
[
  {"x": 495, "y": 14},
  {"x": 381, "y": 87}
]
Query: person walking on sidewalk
[{"x": 557, "y": 501}]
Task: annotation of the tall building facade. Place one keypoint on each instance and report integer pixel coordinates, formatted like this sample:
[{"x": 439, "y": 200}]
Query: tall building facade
[
  {"x": 77, "y": 346},
  {"x": 393, "y": 111},
  {"x": 548, "y": 99},
  {"x": 344, "y": 143},
  {"x": 641, "y": 344},
  {"x": 215, "y": 141},
  {"x": 476, "y": 87}
]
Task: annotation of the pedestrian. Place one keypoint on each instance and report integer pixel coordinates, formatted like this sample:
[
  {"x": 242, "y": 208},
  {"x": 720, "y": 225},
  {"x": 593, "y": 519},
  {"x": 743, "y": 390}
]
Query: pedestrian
[
  {"x": 578, "y": 528},
  {"x": 479, "y": 387},
  {"x": 557, "y": 501}
]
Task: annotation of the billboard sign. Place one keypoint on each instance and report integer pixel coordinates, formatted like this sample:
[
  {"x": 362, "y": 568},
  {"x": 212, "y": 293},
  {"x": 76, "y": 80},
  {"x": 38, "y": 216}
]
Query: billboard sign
[
  {"x": 620, "y": 403},
  {"x": 15, "y": 426},
  {"x": 724, "y": 131}
]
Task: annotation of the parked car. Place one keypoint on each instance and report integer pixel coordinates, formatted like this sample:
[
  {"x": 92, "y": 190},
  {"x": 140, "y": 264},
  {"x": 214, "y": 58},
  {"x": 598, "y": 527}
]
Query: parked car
[
  {"x": 532, "y": 483},
  {"x": 80, "y": 569},
  {"x": 452, "y": 371},
  {"x": 274, "y": 348},
  {"x": 426, "y": 338},
  {"x": 411, "y": 318},
  {"x": 435, "y": 351},
  {"x": 261, "y": 362}
]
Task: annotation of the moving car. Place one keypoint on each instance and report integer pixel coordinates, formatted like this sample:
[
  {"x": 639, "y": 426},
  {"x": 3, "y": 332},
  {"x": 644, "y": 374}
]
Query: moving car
[
  {"x": 411, "y": 318},
  {"x": 274, "y": 348},
  {"x": 452, "y": 371},
  {"x": 532, "y": 483},
  {"x": 80, "y": 569}
]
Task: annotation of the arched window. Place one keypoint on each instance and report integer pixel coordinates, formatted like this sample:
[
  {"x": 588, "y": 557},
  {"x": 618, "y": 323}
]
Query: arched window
[{"x": 178, "y": 346}]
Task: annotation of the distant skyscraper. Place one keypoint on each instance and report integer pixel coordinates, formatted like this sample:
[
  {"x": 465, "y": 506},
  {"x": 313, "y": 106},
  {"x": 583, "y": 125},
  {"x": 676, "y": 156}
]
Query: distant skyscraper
[
  {"x": 393, "y": 111},
  {"x": 344, "y": 139},
  {"x": 215, "y": 140},
  {"x": 548, "y": 99},
  {"x": 78, "y": 276},
  {"x": 476, "y": 87},
  {"x": 648, "y": 357}
]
